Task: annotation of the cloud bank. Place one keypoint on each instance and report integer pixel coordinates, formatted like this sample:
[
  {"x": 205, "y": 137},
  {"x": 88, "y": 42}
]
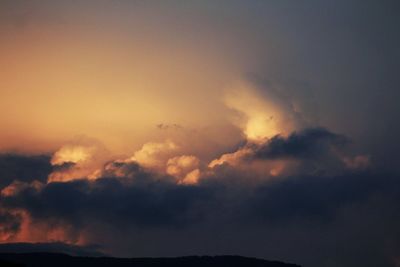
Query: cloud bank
[{"x": 278, "y": 192}]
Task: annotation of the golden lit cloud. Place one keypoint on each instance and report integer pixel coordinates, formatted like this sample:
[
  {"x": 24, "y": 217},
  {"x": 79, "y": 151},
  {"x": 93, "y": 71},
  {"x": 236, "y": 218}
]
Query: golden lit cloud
[
  {"x": 155, "y": 155},
  {"x": 17, "y": 186},
  {"x": 261, "y": 116},
  {"x": 78, "y": 159},
  {"x": 71, "y": 154},
  {"x": 184, "y": 168},
  {"x": 233, "y": 158}
]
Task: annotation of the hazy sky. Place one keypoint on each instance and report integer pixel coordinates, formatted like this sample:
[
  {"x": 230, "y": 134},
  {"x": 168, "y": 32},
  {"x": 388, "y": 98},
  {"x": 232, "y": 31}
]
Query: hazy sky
[{"x": 167, "y": 128}]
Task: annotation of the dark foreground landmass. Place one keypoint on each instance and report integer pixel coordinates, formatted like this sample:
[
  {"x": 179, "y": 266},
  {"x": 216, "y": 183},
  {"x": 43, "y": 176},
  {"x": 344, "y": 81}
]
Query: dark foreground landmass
[{"x": 61, "y": 260}]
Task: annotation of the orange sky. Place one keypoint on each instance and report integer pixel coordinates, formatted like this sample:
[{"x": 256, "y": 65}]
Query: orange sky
[{"x": 62, "y": 81}]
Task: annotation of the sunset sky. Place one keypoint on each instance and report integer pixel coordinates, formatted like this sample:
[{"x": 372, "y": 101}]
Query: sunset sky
[{"x": 168, "y": 128}]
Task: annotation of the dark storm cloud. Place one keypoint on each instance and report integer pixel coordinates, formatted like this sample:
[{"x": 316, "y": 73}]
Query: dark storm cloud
[
  {"x": 128, "y": 169},
  {"x": 130, "y": 197},
  {"x": 309, "y": 143},
  {"x": 112, "y": 201},
  {"x": 304, "y": 203},
  {"x": 127, "y": 193},
  {"x": 346, "y": 52},
  {"x": 23, "y": 168},
  {"x": 64, "y": 166},
  {"x": 149, "y": 202},
  {"x": 147, "y": 199},
  {"x": 316, "y": 198},
  {"x": 308, "y": 151},
  {"x": 9, "y": 223}
]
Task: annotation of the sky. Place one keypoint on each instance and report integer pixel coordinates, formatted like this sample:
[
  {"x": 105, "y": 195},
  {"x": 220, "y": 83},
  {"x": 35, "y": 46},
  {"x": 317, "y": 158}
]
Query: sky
[{"x": 167, "y": 128}]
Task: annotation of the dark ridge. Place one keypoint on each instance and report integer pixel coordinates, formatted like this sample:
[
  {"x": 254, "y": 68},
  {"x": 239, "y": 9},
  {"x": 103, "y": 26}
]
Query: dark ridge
[
  {"x": 53, "y": 247},
  {"x": 63, "y": 260}
]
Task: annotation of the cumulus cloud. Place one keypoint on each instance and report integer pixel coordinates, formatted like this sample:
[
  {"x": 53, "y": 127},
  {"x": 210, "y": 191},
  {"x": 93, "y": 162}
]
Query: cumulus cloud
[
  {"x": 307, "y": 151},
  {"x": 183, "y": 200},
  {"x": 77, "y": 159},
  {"x": 263, "y": 110},
  {"x": 155, "y": 155},
  {"x": 25, "y": 168},
  {"x": 233, "y": 158},
  {"x": 185, "y": 168},
  {"x": 77, "y": 203},
  {"x": 9, "y": 224},
  {"x": 309, "y": 143},
  {"x": 71, "y": 154},
  {"x": 302, "y": 202},
  {"x": 281, "y": 175}
]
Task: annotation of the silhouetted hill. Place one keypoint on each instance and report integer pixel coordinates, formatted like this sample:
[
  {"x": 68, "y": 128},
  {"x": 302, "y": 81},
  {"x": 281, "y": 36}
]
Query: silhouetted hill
[
  {"x": 63, "y": 260},
  {"x": 52, "y": 247}
]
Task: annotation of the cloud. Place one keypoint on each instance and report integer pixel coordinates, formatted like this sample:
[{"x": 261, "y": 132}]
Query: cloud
[
  {"x": 263, "y": 110},
  {"x": 9, "y": 224},
  {"x": 267, "y": 190},
  {"x": 306, "y": 144},
  {"x": 307, "y": 151},
  {"x": 357, "y": 162},
  {"x": 185, "y": 168},
  {"x": 155, "y": 155},
  {"x": 233, "y": 158},
  {"x": 314, "y": 198},
  {"x": 71, "y": 154},
  {"x": 25, "y": 168},
  {"x": 273, "y": 207},
  {"x": 77, "y": 159}
]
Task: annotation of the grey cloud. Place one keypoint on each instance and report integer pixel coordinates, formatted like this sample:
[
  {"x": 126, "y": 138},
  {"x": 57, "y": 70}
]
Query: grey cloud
[
  {"x": 23, "y": 168},
  {"x": 222, "y": 207},
  {"x": 9, "y": 223},
  {"x": 305, "y": 144},
  {"x": 112, "y": 201}
]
